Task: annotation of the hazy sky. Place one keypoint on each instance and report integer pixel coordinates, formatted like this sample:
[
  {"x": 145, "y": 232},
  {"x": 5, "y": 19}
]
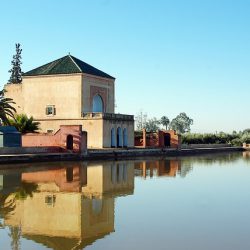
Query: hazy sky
[{"x": 168, "y": 57}]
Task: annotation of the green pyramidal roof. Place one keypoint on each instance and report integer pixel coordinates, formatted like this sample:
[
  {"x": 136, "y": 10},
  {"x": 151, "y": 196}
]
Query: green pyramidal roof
[{"x": 67, "y": 65}]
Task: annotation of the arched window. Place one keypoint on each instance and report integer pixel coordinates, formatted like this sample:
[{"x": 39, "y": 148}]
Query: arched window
[
  {"x": 125, "y": 138},
  {"x": 119, "y": 137},
  {"x": 112, "y": 138},
  {"x": 97, "y": 104}
]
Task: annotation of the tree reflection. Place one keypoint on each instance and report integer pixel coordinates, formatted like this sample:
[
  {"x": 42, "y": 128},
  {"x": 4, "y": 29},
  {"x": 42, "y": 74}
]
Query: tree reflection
[{"x": 15, "y": 234}]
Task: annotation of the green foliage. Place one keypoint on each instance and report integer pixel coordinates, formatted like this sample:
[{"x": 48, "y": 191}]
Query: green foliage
[
  {"x": 236, "y": 139},
  {"x": 16, "y": 72},
  {"x": 152, "y": 124},
  {"x": 24, "y": 124},
  {"x": 26, "y": 189},
  {"x": 181, "y": 123},
  {"x": 165, "y": 121},
  {"x": 6, "y": 108}
]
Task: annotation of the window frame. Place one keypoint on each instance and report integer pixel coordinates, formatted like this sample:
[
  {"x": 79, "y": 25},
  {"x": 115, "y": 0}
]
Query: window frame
[{"x": 53, "y": 109}]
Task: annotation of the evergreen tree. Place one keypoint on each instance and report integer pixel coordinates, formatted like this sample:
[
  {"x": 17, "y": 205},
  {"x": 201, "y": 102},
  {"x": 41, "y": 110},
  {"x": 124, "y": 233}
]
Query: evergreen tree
[{"x": 16, "y": 72}]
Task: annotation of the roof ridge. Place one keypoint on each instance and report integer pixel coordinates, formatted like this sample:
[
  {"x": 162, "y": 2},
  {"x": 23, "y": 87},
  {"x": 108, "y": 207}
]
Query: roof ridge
[
  {"x": 67, "y": 65},
  {"x": 75, "y": 63},
  {"x": 94, "y": 68}
]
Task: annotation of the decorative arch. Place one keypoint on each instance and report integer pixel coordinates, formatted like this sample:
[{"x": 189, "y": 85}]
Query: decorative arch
[
  {"x": 119, "y": 137},
  {"x": 125, "y": 137},
  {"x": 112, "y": 138},
  {"x": 98, "y": 104}
]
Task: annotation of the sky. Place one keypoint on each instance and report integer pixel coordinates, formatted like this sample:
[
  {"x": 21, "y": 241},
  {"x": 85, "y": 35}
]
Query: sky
[{"x": 167, "y": 56}]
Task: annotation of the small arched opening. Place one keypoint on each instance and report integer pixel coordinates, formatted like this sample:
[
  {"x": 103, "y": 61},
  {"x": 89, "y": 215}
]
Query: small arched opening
[
  {"x": 125, "y": 138},
  {"x": 97, "y": 104},
  {"x": 112, "y": 138},
  {"x": 119, "y": 137},
  {"x": 69, "y": 142},
  {"x": 167, "y": 139}
]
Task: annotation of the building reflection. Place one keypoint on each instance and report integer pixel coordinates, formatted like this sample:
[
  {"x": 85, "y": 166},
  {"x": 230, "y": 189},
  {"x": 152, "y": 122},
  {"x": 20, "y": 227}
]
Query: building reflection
[
  {"x": 246, "y": 154},
  {"x": 151, "y": 168},
  {"x": 66, "y": 208}
]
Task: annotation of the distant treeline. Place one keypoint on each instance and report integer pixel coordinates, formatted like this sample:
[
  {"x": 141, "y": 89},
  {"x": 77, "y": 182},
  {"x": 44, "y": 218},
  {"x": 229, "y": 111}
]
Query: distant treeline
[{"x": 236, "y": 138}]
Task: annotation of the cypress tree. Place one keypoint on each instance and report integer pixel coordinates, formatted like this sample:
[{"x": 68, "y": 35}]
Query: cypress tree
[{"x": 16, "y": 71}]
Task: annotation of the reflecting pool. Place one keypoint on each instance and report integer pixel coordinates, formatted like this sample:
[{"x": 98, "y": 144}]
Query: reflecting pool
[{"x": 188, "y": 203}]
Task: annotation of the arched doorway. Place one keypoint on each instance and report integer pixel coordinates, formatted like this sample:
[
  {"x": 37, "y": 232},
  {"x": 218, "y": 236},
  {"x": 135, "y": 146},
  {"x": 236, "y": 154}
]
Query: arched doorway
[
  {"x": 125, "y": 138},
  {"x": 167, "y": 139},
  {"x": 112, "y": 138},
  {"x": 119, "y": 137},
  {"x": 97, "y": 104},
  {"x": 69, "y": 143}
]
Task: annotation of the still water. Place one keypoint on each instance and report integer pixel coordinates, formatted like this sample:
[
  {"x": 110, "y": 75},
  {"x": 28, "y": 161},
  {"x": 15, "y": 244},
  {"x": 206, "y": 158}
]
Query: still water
[{"x": 169, "y": 203}]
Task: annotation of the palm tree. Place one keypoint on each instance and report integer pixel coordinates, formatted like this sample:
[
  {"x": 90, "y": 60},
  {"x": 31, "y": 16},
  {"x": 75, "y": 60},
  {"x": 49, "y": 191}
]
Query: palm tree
[
  {"x": 6, "y": 108},
  {"x": 165, "y": 121},
  {"x": 24, "y": 124}
]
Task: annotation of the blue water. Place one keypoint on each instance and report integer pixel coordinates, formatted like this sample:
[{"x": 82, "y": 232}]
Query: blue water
[{"x": 169, "y": 203}]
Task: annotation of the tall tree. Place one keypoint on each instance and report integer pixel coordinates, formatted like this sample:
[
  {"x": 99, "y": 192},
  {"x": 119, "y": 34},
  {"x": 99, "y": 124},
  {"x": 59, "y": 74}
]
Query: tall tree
[
  {"x": 152, "y": 124},
  {"x": 181, "y": 123},
  {"x": 141, "y": 119},
  {"x": 165, "y": 121},
  {"x": 16, "y": 71},
  {"x": 6, "y": 108}
]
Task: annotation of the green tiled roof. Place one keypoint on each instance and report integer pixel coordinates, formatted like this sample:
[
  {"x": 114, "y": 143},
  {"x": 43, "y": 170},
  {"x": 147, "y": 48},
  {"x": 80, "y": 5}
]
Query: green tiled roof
[{"x": 67, "y": 65}]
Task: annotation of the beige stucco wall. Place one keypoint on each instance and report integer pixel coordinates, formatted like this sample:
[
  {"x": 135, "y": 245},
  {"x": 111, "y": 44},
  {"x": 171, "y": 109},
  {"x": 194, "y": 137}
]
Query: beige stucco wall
[
  {"x": 111, "y": 179},
  {"x": 71, "y": 95},
  {"x": 105, "y": 83},
  {"x": 98, "y": 130},
  {"x": 62, "y": 91},
  {"x": 109, "y": 124},
  {"x": 93, "y": 127},
  {"x": 14, "y": 91}
]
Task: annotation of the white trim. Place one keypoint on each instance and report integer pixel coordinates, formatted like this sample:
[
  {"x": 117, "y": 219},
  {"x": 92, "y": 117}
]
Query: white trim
[{"x": 75, "y": 63}]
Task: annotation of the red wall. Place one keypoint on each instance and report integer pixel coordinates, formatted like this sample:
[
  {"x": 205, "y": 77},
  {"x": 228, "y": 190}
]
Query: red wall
[
  {"x": 156, "y": 139},
  {"x": 58, "y": 139}
]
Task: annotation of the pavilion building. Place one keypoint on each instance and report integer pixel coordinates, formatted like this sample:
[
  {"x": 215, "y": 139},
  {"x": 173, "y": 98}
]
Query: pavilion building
[{"x": 69, "y": 91}]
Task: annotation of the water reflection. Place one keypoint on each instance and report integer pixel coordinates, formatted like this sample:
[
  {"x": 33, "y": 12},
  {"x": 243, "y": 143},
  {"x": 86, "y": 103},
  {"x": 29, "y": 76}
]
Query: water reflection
[
  {"x": 65, "y": 208},
  {"x": 71, "y": 205}
]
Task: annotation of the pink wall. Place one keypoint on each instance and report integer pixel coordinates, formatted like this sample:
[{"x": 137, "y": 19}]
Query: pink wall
[
  {"x": 156, "y": 139},
  {"x": 58, "y": 139},
  {"x": 59, "y": 177}
]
